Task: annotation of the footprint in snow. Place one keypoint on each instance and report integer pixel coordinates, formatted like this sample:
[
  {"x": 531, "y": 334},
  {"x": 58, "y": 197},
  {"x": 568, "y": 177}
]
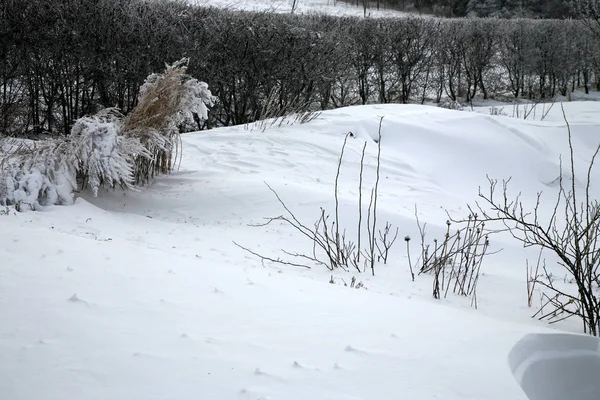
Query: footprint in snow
[
  {"x": 247, "y": 392},
  {"x": 351, "y": 349},
  {"x": 77, "y": 299},
  {"x": 297, "y": 365},
  {"x": 212, "y": 340},
  {"x": 167, "y": 302},
  {"x": 259, "y": 372},
  {"x": 143, "y": 354}
]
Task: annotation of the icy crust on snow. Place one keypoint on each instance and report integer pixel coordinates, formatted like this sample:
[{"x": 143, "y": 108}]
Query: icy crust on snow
[{"x": 142, "y": 294}]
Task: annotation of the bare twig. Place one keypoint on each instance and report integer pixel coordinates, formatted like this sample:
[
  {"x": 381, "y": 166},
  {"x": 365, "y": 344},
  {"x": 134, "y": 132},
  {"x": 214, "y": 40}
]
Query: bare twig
[
  {"x": 274, "y": 260},
  {"x": 407, "y": 240},
  {"x": 375, "y": 195},
  {"x": 386, "y": 241},
  {"x": 360, "y": 181}
]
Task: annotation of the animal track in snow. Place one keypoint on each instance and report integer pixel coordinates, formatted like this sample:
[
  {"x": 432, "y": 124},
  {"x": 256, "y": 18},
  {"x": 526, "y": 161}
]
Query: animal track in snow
[
  {"x": 351, "y": 349},
  {"x": 76, "y": 299},
  {"x": 297, "y": 365}
]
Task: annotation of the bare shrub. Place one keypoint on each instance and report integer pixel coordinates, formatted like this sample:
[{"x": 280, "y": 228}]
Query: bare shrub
[
  {"x": 455, "y": 262},
  {"x": 570, "y": 232},
  {"x": 278, "y": 112}
]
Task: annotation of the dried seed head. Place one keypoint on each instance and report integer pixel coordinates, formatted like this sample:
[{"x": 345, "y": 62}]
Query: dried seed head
[{"x": 407, "y": 238}]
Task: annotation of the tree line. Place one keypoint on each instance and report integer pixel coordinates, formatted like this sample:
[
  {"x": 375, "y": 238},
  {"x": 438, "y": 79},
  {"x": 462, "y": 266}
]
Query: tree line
[
  {"x": 63, "y": 59},
  {"x": 557, "y": 9}
]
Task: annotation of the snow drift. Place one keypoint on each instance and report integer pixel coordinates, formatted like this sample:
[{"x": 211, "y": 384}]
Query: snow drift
[
  {"x": 143, "y": 294},
  {"x": 557, "y": 366}
]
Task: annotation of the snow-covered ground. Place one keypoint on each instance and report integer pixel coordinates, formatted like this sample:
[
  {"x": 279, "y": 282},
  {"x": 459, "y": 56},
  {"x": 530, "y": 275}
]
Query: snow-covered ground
[
  {"x": 330, "y": 7},
  {"x": 143, "y": 295}
]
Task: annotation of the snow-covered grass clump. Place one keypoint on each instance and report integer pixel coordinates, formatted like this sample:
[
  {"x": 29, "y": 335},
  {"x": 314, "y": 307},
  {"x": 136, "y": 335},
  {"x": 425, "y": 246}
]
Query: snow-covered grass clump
[{"x": 105, "y": 149}]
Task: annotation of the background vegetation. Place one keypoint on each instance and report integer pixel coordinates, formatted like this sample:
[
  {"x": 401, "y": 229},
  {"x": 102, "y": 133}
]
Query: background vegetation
[
  {"x": 558, "y": 9},
  {"x": 63, "y": 59}
]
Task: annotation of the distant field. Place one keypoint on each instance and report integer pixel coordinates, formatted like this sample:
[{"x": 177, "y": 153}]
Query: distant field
[{"x": 303, "y": 6}]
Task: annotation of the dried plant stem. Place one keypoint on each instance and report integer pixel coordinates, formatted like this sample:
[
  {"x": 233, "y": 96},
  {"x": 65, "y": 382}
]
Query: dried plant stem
[
  {"x": 360, "y": 184},
  {"x": 374, "y": 197},
  {"x": 337, "y": 201},
  {"x": 412, "y": 274}
]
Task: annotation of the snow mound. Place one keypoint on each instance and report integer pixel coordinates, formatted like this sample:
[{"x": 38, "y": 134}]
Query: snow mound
[{"x": 557, "y": 366}]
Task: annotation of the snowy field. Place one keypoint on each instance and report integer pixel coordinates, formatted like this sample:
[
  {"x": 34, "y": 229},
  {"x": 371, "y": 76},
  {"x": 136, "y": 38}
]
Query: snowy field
[
  {"x": 330, "y": 7},
  {"x": 143, "y": 295}
]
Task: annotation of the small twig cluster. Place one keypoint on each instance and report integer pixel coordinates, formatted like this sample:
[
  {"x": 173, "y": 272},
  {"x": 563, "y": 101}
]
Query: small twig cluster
[
  {"x": 385, "y": 242},
  {"x": 302, "y": 117},
  {"x": 554, "y": 308},
  {"x": 528, "y": 109},
  {"x": 532, "y": 277},
  {"x": 278, "y": 111},
  {"x": 354, "y": 283},
  {"x": 455, "y": 262}
]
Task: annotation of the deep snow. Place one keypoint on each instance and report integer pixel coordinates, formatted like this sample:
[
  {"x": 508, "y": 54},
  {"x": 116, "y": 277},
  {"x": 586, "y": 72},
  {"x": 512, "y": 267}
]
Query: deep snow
[{"x": 144, "y": 295}]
